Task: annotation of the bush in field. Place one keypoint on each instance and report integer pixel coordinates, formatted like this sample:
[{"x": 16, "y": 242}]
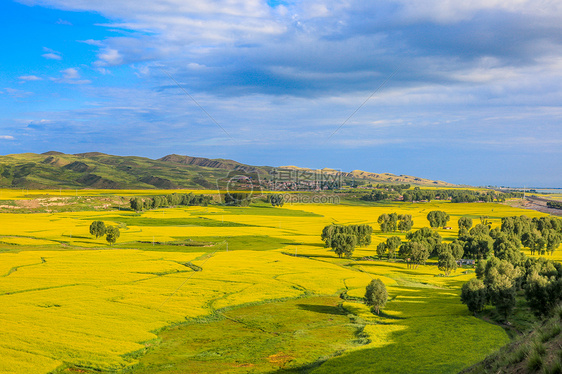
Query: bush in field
[
  {"x": 112, "y": 233},
  {"x": 97, "y": 228},
  {"x": 376, "y": 295}
]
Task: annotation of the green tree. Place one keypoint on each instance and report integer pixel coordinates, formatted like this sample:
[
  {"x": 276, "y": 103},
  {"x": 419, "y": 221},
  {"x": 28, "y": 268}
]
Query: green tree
[
  {"x": 502, "y": 295},
  {"x": 465, "y": 223},
  {"x": 447, "y": 262},
  {"x": 344, "y": 244},
  {"x": 112, "y": 234},
  {"x": 137, "y": 204},
  {"x": 381, "y": 249},
  {"x": 456, "y": 250},
  {"x": 376, "y": 295},
  {"x": 97, "y": 228},
  {"x": 392, "y": 244},
  {"x": 414, "y": 253},
  {"x": 437, "y": 218},
  {"x": 474, "y": 294},
  {"x": 405, "y": 222},
  {"x": 327, "y": 234}
]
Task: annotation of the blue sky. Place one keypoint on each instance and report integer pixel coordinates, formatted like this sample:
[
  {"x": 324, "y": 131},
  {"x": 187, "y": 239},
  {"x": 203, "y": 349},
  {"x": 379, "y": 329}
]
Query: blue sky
[{"x": 467, "y": 92}]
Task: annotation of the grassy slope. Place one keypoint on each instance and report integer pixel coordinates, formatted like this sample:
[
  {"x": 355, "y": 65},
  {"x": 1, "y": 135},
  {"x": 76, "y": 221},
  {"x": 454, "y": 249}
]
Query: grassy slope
[{"x": 537, "y": 351}]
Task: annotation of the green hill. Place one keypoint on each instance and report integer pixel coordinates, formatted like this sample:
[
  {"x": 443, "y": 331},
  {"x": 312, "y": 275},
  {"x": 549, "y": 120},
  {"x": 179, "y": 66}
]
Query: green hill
[{"x": 103, "y": 171}]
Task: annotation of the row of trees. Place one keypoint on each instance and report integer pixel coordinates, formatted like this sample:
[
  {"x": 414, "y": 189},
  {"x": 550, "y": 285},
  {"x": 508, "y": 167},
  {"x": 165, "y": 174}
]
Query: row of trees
[
  {"x": 458, "y": 196},
  {"x": 99, "y": 229},
  {"x": 144, "y": 203},
  {"x": 343, "y": 239},
  {"x": 554, "y": 204},
  {"x": 385, "y": 192},
  {"x": 391, "y": 222}
]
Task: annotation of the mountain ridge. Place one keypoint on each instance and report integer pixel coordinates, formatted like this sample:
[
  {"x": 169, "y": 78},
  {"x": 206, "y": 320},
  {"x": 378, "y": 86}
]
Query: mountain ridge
[{"x": 99, "y": 170}]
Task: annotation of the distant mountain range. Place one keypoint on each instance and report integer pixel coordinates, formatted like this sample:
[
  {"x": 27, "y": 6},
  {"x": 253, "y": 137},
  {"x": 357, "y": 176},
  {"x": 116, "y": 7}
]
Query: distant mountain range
[{"x": 103, "y": 171}]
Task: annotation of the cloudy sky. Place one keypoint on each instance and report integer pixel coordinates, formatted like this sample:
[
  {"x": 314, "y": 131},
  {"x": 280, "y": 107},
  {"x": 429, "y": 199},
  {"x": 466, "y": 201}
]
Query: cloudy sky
[{"x": 467, "y": 92}]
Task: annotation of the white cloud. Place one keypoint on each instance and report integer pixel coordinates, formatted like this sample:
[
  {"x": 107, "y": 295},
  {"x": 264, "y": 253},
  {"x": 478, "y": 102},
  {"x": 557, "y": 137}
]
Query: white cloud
[
  {"x": 71, "y": 76},
  {"x": 28, "y": 78},
  {"x": 6, "y": 137},
  {"x": 63, "y": 22},
  {"x": 18, "y": 94},
  {"x": 109, "y": 57},
  {"x": 447, "y": 11},
  {"x": 97, "y": 43},
  {"x": 70, "y": 73},
  {"x": 52, "y": 56}
]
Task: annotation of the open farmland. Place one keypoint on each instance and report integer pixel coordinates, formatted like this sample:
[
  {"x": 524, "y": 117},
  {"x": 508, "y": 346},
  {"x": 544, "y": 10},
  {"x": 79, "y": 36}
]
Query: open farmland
[{"x": 71, "y": 301}]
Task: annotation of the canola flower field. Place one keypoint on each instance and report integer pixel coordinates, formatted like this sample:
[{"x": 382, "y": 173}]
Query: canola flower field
[{"x": 70, "y": 300}]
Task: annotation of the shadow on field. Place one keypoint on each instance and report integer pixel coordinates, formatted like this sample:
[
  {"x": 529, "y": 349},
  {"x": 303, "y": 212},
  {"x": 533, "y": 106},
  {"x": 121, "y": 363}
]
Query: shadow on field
[{"x": 324, "y": 309}]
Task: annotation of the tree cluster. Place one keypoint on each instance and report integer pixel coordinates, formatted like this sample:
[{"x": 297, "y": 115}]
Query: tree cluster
[
  {"x": 497, "y": 283},
  {"x": 343, "y": 239},
  {"x": 554, "y": 204},
  {"x": 391, "y": 222},
  {"x": 541, "y": 235},
  {"x": 99, "y": 229},
  {"x": 164, "y": 201},
  {"x": 503, "y": 270},
  {"x": 385, "y": 192},
  {"x": 380, "y": 195}
]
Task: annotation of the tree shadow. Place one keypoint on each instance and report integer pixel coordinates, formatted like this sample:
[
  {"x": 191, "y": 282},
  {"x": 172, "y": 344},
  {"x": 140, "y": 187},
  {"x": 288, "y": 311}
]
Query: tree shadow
[{"x": 324, "y": 309}]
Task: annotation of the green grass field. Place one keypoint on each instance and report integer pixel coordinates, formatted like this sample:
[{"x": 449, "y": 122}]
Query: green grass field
[{"x": 71, "y": 301}]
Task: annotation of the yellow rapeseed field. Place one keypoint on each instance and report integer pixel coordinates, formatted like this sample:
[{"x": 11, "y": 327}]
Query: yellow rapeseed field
[{"x": 68, "y": 298}]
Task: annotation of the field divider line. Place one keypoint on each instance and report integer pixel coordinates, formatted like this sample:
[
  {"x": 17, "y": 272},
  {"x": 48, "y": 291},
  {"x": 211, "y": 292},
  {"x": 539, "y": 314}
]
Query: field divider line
[{"x": 187, "y": 279}]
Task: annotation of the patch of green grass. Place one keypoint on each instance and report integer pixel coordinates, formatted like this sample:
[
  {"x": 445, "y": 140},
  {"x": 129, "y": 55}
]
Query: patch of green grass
[
  {"x": 535, "y": 361},
  {"x": 247, "y": 242},
  {"x": 258, "y": 339},
  {"x": 435, "y": 325},
  {"x": 160, "y": 222},
  {"x": 265, "y": 210}
]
